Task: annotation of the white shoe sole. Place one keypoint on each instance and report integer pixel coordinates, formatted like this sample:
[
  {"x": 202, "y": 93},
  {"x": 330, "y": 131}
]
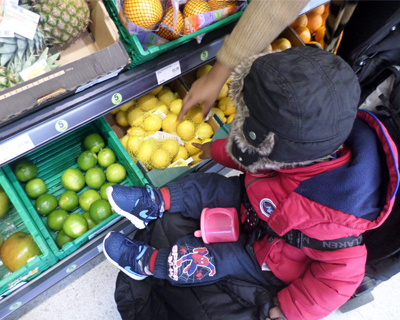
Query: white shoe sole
[
  {"x": 135, "y": 277},
  {"x": 135, "y": 221}
]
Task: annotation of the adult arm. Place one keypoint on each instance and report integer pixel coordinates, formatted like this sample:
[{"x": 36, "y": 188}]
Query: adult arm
[{"x": 260, "y": 24}]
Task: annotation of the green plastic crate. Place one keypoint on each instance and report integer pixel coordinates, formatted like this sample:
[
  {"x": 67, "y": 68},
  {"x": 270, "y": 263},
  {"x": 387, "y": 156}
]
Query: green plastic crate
[
  {"x": 18, "y": 219},
  {"x": 53, "y": 159},
  {"x": 134, "y": 48}
]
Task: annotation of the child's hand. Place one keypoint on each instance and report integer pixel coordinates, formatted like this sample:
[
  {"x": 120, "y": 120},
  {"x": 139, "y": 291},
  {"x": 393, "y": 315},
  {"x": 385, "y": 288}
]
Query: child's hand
[
  {"x": 275, "y": 313},
  {"x": 206, "y": 148}
]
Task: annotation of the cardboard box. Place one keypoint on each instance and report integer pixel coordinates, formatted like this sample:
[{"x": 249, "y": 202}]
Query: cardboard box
[
  {"x": 95, "y": 54},
  {"x": 158, "y": 177}
]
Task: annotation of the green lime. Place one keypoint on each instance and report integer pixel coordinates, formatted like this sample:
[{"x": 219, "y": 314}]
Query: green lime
[
  {"x": 62, "y": 239},
  {"x": 100, "y": 210},
  {"x": 95, "y": 178},
  {"x": 87, "y": 160},
  {"x": 94, "y": 142},
  {"x": 56, "y": 219},
  {"x": 73, "y": 179},
  {"x": 35, "y": 187},
  {"x": 25, "y": 170},
  {"x": 106, "y": 157},
  {"x": 115, "y": 172},
  {"x": 1, "y": 239},
  {"x": 75, "y": 225},
  {"x": 68, "y": 200},
  {"x": 45, "y": 204},
  {"x": 87, "y": 198},
  {"x": 103, "y": 190},
  {"x": 4, "y": 202},
  {"x": 89, "y": 220}
]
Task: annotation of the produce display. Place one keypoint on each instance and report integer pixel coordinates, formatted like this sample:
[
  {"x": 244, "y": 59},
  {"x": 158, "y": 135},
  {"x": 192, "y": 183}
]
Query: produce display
[
  {"x": 83, "y": 204},
  {"x": 311, "y": 26},
  {"x": 157, "y": 139},
  {"x": 60, "y": 22},
  {"x": 157, "y": 22}
]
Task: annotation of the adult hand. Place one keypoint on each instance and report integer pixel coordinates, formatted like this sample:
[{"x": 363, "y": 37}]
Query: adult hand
[
  {"x": 205, "y": 90},
  {"x": 206, "y": 148}
]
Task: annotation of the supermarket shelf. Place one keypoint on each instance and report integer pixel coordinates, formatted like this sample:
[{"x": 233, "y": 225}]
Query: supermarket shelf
[
  {"x": 39, "y": 128},
  {"x": 59, "y": 271},
  {"x": 44, "y": 125}
]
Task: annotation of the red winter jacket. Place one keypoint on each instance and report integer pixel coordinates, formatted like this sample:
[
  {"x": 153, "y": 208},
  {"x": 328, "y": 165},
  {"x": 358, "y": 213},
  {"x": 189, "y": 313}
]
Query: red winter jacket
[{"x": 339, "y": 198}]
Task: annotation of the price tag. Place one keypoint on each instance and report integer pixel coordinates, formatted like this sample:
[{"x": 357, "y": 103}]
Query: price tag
[
  {"x": 168, "y": 72},
  {"x": 15, "y": 147}
]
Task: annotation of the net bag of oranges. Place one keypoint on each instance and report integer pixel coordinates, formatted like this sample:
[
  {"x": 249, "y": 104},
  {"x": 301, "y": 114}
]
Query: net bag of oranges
[{"x": 156, "y": 22}]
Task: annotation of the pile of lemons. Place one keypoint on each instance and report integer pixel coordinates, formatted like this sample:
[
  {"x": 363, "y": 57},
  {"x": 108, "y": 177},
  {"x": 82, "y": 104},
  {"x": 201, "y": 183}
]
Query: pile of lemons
[{"x": 158, "y": 111}]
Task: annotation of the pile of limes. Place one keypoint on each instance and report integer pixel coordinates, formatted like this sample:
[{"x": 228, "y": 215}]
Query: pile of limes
[{"x": 75, "y": 212}]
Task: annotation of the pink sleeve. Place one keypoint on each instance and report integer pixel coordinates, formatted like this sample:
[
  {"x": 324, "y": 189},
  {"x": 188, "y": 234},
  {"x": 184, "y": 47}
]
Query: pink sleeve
[{"x": 219, "y": 155}]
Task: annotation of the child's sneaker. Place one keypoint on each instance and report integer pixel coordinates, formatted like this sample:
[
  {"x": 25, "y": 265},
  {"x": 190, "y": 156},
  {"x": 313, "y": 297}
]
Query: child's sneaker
[
  {"x": 130, "y": 256},
  {"x": 138, "y": 204}
]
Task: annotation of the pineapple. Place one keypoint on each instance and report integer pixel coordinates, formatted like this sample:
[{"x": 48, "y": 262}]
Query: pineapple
[
  {"x": 60, "y": 22},
  {"x": 9, "y": 76}
]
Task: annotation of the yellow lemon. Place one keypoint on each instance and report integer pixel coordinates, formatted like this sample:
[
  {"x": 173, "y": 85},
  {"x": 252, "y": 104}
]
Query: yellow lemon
[
  {"x": 182, "y": 154},
  {"x": 203, "y": 70},
  {"x": 146, "y": 149},
  {"x": 152, "y": 123},
  {"x": 281, "y": 44},
  {"x": 170, "y": 122},
  {"x": 136, "y": 131},
  {"x": 134, "y": 143},
  {"x": 156, "y": 90},
  {"x": 206, "y": 140},
  {"x": 124, "y": 140},
  {"x": 220, "y": 113},
  {"x": 136, "y": 117},
  {"x": 126, "y": 106},
  {"x": 185, "y": 130},
  {"x": 204, "y": 131},
  {"x": 171, "y": 146},
  {"x": 196, "y": 158},
  {"x": 230, "y": 118},
  {"x": 227, "y": 106},
  {"x": 121, "y": 118},
  {"x": 147, "y": 102},
  {"x": 160, "y": 159},
  {"x": 166, "y": 97},
  {"x": 195, "y": 114},
  {"x": 160, "y": 106},
  {"x": 224, "y": 92},
  {"x": 191, "y": 148},
  {"x": 176, "y": 106}
]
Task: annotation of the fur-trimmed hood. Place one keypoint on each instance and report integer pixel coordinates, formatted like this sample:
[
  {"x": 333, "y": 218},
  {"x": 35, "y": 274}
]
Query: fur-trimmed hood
[{"x": 294, "y": 108}]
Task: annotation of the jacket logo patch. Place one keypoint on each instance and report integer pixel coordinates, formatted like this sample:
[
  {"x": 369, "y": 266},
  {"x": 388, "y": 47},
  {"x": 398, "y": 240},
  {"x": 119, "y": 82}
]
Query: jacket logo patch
[{"x": 267, "y": 207}]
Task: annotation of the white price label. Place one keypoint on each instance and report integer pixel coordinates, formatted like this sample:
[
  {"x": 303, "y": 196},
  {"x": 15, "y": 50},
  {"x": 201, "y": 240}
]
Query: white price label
[
  {"x": 168, "y": 72},
  {"x": 15, "y": 147}
]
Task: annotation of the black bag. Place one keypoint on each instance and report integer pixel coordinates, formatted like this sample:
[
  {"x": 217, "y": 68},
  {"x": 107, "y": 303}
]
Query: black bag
[
  {"x": 157, "y": 299},
  {"x": 371, "y": 42}
]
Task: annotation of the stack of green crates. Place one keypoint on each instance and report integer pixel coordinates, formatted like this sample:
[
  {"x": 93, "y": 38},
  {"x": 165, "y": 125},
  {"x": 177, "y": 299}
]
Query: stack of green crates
[
  {"x": 17, "y": 219},
  {"x": 53, "y": 159},
  {"x": 134, "y": 48}
]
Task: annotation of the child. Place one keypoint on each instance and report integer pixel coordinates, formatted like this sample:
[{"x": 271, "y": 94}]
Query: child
[{"x": 315, "y": 178}]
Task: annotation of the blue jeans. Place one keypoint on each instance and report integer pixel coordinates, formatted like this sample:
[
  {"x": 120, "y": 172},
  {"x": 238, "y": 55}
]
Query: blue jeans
[{"x": 190, "y": 261}]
